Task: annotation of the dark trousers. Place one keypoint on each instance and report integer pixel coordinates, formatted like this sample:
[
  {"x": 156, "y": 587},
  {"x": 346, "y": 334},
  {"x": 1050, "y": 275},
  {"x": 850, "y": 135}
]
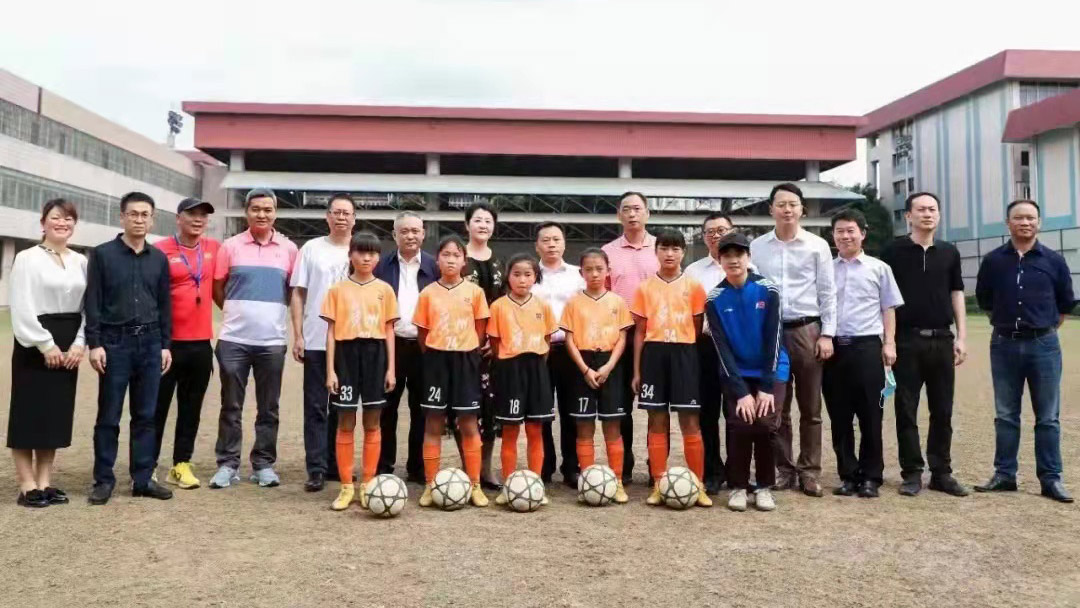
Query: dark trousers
[
  {"x": 712, "y": 403},
  {"x": 409, "y": 370},
  {"x": 627, "y": 427},
  {"x": 235, "y": 362},
  {"x": 922, "y": 361},
  {"x": 132, "y": 366},
  {"x": 562, "y": 371},
  {"x": 852, "y": 381},
  {"x": 753, "y": 440},
  {"x": 192, "y": 365},
  {"x": 320, "y": 419}
]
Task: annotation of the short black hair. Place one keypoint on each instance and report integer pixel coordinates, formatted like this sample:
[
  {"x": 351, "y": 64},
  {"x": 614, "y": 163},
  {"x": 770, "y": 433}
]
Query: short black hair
[
  {"x": 669, "y": 237},
  {"x": 593, "y": 252},
  {"x": 850, "y": 215},
  {"x": 549, "y": 224},
  {"x": 516, "y": 259},
  {"x": 452, "y": 239},
  {"x": 785, "y": 187},
  {"x": 365, "y": 242},
  {"x": 481, "y": 206},
  {"x": 340, "y": 196},
  {"x": 914, "y": 195},
  {"x": 628, "y": 194},
  {"x": 717, "y": 215},
  {"x": 1023, "y": 201},
  {"x": 136, "y": 197}
]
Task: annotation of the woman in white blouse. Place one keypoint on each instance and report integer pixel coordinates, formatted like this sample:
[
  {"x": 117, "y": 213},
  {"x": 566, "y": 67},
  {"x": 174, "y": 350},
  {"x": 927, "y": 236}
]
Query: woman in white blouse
[{"x": 47, "y": 286}]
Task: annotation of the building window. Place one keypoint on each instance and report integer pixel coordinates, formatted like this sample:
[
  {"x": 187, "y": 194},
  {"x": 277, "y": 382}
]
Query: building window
[
  {"x": 898, "y": 189},
  {"x": 875, "y": 174},
  {"x": 872, "y": 141},
  {"x": 911, "y": 184},
  {"x": 1034, "y": 92}
]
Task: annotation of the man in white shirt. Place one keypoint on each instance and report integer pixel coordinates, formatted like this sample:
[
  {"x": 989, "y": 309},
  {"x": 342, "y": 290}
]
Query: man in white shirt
[
  {"x": 867, "y": 297},
  {"x": 408, "y": 270},
  {"x": 709, "y": 273},
  {"x": 322, "y": 262},
  {"x": 561, "y": 281},
  {"x": 801, "y": 264}
]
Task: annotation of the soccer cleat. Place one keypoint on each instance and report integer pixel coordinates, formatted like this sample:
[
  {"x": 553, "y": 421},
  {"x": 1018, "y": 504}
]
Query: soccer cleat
[
  {"x": 363, "y": 495},
  {"x": 501, "y": 499},
  {"x": 478, "y": 498},
  {"x": 224, "y": 477},
  {"x": 703, "y": 500},
  {"x": 425, "y": 498},
  {"x": 544, "y": 501},
  {"x": 183, "y": 476},
  {"x": 737, "y": 500},
  {"x": 654, "y": 498},
  {"x": 763, "y": 500},
  {"x": 344, "y": 497},
  {"x": 620, "y": 494}
]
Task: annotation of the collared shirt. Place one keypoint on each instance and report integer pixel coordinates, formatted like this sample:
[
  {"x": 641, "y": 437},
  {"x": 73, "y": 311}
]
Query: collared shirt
[
  {"x": 557, "y": 287},
  {"x": 191, "y": 283},
  {"x": 124, "y": 288},
  {"x": 865, "y": 288},
  {"x": 256, "y": 288},
  {"x": 408, "y": 293},
  {"x": 803, "y": 269},
  {"x": 709, "y": 273},
  {"x": 319, "y": 265},
  {"x": 926, "y": 277},
  {"x": 40, "y": 286},
  {"x": 1024, "y": 292},
  {"x": 631, "y": 264}
]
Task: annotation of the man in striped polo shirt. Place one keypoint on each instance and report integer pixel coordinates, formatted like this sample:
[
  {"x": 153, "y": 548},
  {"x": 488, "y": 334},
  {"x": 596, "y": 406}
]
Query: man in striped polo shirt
[{"x": 251, "y": 285}]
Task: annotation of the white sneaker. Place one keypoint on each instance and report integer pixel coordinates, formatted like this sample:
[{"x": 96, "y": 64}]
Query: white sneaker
[
  {"x": 737, "y": 500},
  {"x": 763, "y": 500},
  {"x": 224, "y": 477}
]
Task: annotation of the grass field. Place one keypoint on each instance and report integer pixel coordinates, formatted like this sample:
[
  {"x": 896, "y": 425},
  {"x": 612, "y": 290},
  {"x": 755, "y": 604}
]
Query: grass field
[{"x": 246, "y": 546}]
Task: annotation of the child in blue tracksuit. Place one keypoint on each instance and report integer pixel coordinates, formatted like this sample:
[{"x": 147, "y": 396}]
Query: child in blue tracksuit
[{"x": 743, "y": 314}]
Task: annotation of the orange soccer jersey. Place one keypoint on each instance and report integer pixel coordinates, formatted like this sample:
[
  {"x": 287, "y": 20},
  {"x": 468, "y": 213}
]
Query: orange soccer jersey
[
  {"x": 449, "y": 315},
  {"x": 360, "y": 310},
  {"x": 521, "y": 328},
  {"x": 596, "y": 322},
  {"x": 669, "y": 308}
]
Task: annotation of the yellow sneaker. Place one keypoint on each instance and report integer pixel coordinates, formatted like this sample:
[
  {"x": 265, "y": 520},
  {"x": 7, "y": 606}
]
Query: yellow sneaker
[
  {"x": 182, "y": 476},
  {"x": 478, "y": 498},
  {"x": 621, "y": 497},
  {"x": 544, "y": 501},
  {"x": 344, "y": 497},
  {"x": 501, "y": 499},
  {"x": 703, "y": 500},
  {"x": 425, "y": 498},
  {"x": 363, "y": 495},
  {"x": 654, "y": 498}
]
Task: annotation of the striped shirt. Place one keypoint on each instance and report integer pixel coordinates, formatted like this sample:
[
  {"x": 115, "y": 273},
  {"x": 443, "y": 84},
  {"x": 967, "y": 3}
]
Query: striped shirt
[
  {"x": 631, "y": 264},
  {"x": 256, "y": 288}
]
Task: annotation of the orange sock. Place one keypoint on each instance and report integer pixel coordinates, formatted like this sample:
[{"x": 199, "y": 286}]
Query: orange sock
[
  {"x": 471, "y": 449},
  {"x": 534, "y": 433},
  {"x": 510, "y": 433},
  {"x": 432, "y": 458},
  {"x": 658, "y": 452},
  {"x": 615, "y": 456},
  {"x": 345, "y": 448},
  {"x": 586, "y": 453},
  {"x": 372, "y": 449},
  {"x": 694, "y": 449}
]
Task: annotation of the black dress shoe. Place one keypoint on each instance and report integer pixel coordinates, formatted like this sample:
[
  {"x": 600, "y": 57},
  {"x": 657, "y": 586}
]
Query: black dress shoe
[
  {"x": 315, "y": 483},
  {"x": 332, "y": 475},
  {"x": 713, "y": 486},
  {"x": 785, "y": 481},
  {"x": 847, "y": 488},
  {"x": 490, "y": 486},
  {"x": 35, "y": 499},
  {"x": 570, "y": 481},
  {"x": 1056, "y": 490},
  {"x": 998, "y": 483},
  {"x": 911, "y": 486},
  {"x": 55, "y": 496},
  {"x": 152, "y": 489},
  {"x": 948, "y": 485},
  {"x": 868, "y": 489},
  {"x": 100, "y": 494}
]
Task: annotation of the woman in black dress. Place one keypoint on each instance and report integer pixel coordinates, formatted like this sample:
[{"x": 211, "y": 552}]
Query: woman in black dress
[
  {"x": 47, "y": 285},
  {"x": 486, "y": 270}
]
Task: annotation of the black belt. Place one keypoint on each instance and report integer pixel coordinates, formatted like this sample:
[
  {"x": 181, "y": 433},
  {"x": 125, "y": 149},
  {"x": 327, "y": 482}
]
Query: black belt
[
  {"x": 851, "y": 340},
  {"x": 801, "y": 321},
  {"x": 1022, "y": 334},
  {"x": 130, "y": 330},
  {"x": 923, "y": 332}
]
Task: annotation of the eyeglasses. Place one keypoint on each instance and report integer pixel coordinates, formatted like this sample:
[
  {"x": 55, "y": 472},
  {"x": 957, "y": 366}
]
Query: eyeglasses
[
  {"x": 717, "y": 231},
  {"x": 342, "y": 213},
  {"x": 138, "y": 215}
]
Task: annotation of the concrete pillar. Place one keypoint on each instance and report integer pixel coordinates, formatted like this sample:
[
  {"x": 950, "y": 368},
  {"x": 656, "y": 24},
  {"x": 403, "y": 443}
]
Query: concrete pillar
[
  {"x": 431, "y": 228},
  {"x": 7, "y": 257},
  {"x": 813, "y": 171},
  {"x": 626, "y": 168},
  {"x": 434, "y": 166},
  {"x": 236, "y": 160}
]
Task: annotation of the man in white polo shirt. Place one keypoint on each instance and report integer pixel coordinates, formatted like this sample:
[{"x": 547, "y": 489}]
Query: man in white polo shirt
[{"x": 561, "y": 281}]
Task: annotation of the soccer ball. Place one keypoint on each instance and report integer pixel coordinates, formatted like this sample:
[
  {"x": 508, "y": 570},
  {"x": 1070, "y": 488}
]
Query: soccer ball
[
  {"x": 596, "y": 485},
  {"x": 386, "y": 495},
  {"x": 524, "y": 491},
  {"x": 450, "y": 489},
  {"x": 679, "y": 487}
]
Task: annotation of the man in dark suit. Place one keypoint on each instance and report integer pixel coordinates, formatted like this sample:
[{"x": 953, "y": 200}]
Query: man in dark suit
[{"x": 408, "y": 270}]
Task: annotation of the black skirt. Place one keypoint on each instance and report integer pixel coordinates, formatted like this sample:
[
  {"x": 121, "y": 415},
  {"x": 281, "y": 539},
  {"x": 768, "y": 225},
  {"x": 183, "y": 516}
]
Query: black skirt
[{"x": 43, "y": 399}]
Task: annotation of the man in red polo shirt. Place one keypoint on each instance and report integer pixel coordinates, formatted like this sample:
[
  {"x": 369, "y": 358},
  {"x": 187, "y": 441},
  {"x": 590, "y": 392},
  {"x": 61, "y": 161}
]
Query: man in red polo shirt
[
  {"x": 191, "y": 259},
  {"x": 632, "y": 259}
]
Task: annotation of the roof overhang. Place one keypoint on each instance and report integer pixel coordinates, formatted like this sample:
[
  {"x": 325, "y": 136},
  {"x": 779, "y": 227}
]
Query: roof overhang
[{"x": 1058, "y": 112}]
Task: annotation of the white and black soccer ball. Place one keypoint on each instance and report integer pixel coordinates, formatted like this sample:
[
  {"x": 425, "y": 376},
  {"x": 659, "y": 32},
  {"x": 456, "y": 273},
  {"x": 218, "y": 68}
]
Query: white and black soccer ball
[
  {"x": 386, "y": 495},
  {"x": 524, "y": 491},
  {"x": 596, "y": 485},
  {"x": 450, "y": 489},
  {"x": 679, "y": 487}
]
